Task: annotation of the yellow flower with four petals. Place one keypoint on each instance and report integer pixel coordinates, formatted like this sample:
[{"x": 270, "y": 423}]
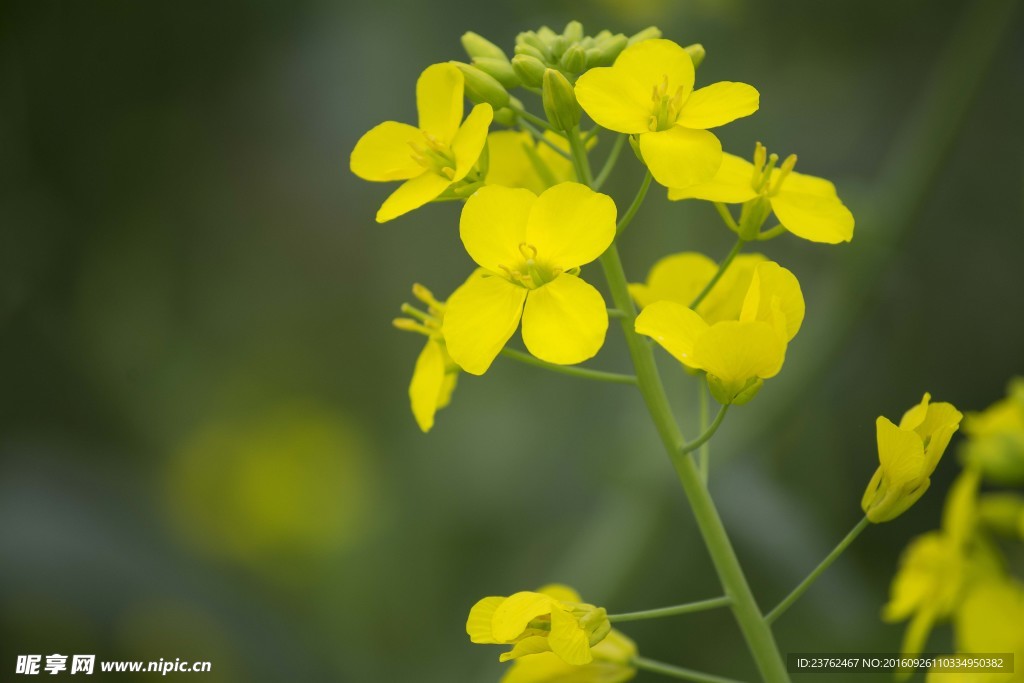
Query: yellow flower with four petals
[
  {"x": 737, "y": 355},
  {"x": 805, "y": 205},
  {"x": 907, "y": 455},
  {"x": 648, "y": 92},
  {"x": 553, "y": 619},
  {"x": 529, "y": 250},
  {"x": 431, "y": 158}
]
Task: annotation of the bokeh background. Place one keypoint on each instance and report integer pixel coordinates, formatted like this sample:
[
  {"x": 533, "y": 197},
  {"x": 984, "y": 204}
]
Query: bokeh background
[{"x": 206, "y": 450}]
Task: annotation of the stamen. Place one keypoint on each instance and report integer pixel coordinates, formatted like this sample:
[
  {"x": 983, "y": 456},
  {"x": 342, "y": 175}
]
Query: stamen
[
  {"x": 784, "y": 171},
  {"x": 408, "y": 325},
  {"x": 426, "y": 296},
  {"x": 528, "y": 251}
]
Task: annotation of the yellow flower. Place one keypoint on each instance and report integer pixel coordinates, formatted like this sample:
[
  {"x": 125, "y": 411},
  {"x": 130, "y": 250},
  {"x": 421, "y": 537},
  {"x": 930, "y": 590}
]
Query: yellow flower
[
  {"x": 554, "y": 619},
  {"x": 431, "y": 158},
  {"x": 908, "y": 454},
  {"x": 937, "y": 567},
  {"x": 736, "y": 354},
  {"x": 681, "y": 277},
  {"x": 805, "y": 205},
  {"x": 612, "y": 664},
  {"x": 649, "y": 93},
  {"x": 990, "y": 619},
  {"x": 530, "y": 249},
  {"x": 996, "y": 437},
  {"x": 435, "y": 374},
  {"x": 516, "y": 160}
]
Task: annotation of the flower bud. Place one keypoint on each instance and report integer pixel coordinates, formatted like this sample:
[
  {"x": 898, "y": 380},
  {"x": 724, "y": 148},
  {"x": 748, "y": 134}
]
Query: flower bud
[
  {"x": 481, "y": 87},
  {"x": 729, "y": 394},
  {"x": 560, "y": 104},
  {"x": 530, "y": 51},
  {"x": 499, "y": 69},
  {"x": 531, "y": 39},
  {"x": 605, "y": 52},
  {"x": 529, "y": 69},
  {"x": 574, "y": 60},
  {"x": 476, "y": 46},
  {"x": 573, "y": 32},
  {"x": 647, "y": 34},
  {"x": 696, "y": 52}
]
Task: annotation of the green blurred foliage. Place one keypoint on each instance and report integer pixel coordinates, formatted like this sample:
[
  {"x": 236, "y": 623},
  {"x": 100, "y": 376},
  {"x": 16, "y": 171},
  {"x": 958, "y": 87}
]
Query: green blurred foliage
[{"x": 205, "y": 444}]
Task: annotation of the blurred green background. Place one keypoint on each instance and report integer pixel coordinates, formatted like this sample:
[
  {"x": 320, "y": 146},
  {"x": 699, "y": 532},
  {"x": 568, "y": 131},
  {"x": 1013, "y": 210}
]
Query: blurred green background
[{"x": 206, "y": 449}]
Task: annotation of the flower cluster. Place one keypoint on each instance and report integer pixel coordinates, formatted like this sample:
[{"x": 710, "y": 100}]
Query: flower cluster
[
  {"x": 960, "y": 572},
  {"x": 533, "y": 220}
]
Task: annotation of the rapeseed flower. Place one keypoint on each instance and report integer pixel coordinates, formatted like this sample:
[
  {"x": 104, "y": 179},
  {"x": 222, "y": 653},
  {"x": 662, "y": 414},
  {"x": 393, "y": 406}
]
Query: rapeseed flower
[
  {"x": 648, "y": 92},
  {"x": 435, "y": 374},
  {"x": 553, "y": 619},
  {"x": 737, "y": 355},
  {"x": 908, "y": 454},
  {"x": 529, "y": 250},
  {"x": 805, "y": 205},
  {"x": 682, "y": 277},
  {"x": 937, "y": 568},
  {"x": 517, "y": 160},
  {"x": 431, "y": 158},
  {"x": 612, "y": 664},
  {"x": 996, "y": 438}
]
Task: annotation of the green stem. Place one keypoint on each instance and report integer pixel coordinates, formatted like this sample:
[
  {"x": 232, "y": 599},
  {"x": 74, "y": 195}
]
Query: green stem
[
  {"x": 722, "y": 267},
  {"x": 627, "y": 218},
  {"x": 756, "y": 632},
  {"x": 771, "y": 233},
  {"x": 687, "y": 608},
  {"x": 678, "y": 672},
  {"x": 571, "y": 370},
  {"x": 708, "y": 433},
  {"x": 758, "y": 636},
  {"x": 818, "y": 571},
  {"x": 726, "y": 215},
  {"x": 704, "y": 457},
  {"x": 609, "y": 164},
  {"x": 579, "y": 158},
  {"x": 543, "y": 139},
  {"x": 535, "y": 120},
  {"x": 539, "y": 165},
  {"x": 615, "y": 313}
]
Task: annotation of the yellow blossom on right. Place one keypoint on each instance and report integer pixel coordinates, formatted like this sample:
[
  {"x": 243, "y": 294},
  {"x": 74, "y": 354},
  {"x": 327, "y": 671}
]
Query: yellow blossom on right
[
  {"x": 806, "y": 206},
  {"x": 908, "y": 454}
]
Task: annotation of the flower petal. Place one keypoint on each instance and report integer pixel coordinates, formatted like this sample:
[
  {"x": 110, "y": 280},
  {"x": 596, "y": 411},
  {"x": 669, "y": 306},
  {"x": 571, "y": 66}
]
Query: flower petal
[
  {"x": 806, "y": 184},
  {"x": 478, "y": 626},
  {"x": 568, "y": 639},
  {"x": 736, "y": 352},
  {"x": 412, "y": 194},
  {"x": 814, "y": 217},
  {"x": 531, "y": 645},
  {"x": 510, "y": 164},
  {"x": 718, "y": 104},
  {"x": 561, "y": 592},
  {"x": 571, "y": 225},
  {"x": 900, "y": 453},
  {"x": 428, "y": 379},
  {"x": 479, "y": 318},
  {"x": 616, "y": 99},
  {"x": 680, "y": 157},
  {"x": 773, "y": 286},
  {"x": 732, "y": 184},
  {"x": 470, "y": 139},
  {"x": 383, "y": 153},
  {"x": 650, "y": 62},
  {"x": 675, "y": 327},
  {"x": 515, "y": 613},
  {"x": 677, "y": 277},
  {"x": 439, "y": 101},
  {"x": 565, "y": 321},
  {"x": 493, "y": 225}
]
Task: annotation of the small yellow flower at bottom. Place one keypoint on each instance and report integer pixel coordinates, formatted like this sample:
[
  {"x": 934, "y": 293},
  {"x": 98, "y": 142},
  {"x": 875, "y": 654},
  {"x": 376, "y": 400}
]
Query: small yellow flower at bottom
[
  {"x": 553, "y": 619},
  {"x": 438, "y": 154},
  {"x": 435, "y": 374},
  {"x": 908, "y": 454},
  {"x": 612, "y": 664}
]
